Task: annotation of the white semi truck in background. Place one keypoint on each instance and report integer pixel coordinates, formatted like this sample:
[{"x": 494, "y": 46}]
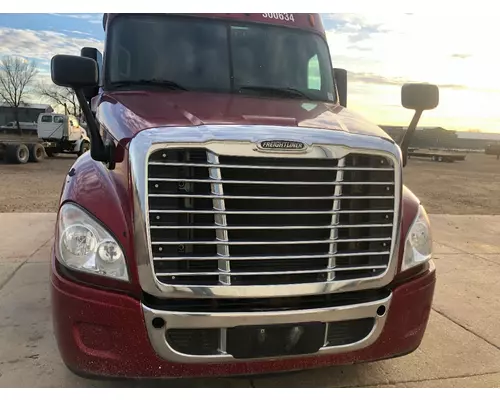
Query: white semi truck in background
[
  {"x": 62, "y": 134},
  {"x": 55, "y": 134}
]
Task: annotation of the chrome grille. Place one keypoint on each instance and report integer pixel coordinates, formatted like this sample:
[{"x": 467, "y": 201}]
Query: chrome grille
[{"x": 234, "y": 220}]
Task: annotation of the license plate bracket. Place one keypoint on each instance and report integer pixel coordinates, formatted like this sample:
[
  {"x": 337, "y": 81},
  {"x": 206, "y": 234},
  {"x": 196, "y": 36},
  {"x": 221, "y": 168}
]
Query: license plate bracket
[{"x": 244, "y": 342}]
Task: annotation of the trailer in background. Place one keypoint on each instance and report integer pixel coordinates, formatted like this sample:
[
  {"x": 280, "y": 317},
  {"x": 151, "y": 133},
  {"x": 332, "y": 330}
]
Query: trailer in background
[
  {"x": 18, "y": 148},
  {"x": 493, "y": 149},
  {"x": 437, "y": 155}
]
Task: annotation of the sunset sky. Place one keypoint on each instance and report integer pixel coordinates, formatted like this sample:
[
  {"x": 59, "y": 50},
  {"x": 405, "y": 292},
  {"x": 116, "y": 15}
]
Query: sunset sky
[{"x": 381, "y": 52}]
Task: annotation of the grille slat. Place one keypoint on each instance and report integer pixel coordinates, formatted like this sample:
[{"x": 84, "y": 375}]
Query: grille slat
[
  {"x": 236, "y": 243},
  {"x": 374, "y": 267},
  {"x": 221, "y": 257},
  {"x": 298, "y": 227},
  {"x": 266, "y": 167},
  {"x": 234, "y": 220},
  {"x": 271, "y": 183},
  {"x": 293, "y": 212},
  {"x": 198, "y": 196}
]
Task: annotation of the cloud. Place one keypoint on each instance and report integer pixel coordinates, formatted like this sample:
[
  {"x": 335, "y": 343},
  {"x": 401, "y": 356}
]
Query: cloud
[
  {"x": 360, "y": 48},
  {"x": 356, "y": 27},
  {"x": 418, "y": 48},
  {"x": 453, "y": 86},
  {"x": 92, "y": 18},
  {"x": 78, "y": 32},
  {"x": 42, "y": 45},
  {"x": 374, "y": 79}
]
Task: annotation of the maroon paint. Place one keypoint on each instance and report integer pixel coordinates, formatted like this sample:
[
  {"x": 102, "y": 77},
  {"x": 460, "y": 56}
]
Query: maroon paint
[
  {"x": 103, "y": 333},
  {"x": 126, "y": 113},
  {"x": 106, "y": 195}
]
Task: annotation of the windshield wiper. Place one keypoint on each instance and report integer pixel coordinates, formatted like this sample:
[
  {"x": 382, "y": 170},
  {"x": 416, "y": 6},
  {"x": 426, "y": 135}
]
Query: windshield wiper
[
  {"x": 151, "y": 82},
  {"x": 291, "y": 92}
]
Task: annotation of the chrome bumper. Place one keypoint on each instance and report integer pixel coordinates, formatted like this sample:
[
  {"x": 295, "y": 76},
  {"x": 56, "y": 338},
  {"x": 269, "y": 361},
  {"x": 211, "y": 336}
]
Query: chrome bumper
[{"x": 179, "y": 320}]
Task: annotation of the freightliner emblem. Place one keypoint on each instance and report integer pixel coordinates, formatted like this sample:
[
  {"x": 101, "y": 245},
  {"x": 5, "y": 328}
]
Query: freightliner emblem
[{"x": 281, "y": 145}]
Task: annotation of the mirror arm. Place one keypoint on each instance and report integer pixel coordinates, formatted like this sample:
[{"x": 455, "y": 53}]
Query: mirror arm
[
  {"x": 406, "y": 139},
  {"x": 98, "y": 150}
]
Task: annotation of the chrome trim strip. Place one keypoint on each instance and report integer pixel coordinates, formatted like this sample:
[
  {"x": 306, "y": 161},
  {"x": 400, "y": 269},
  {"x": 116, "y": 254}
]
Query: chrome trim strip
[
  {"x": 311, "y": 271},
  {"x": 324, "y": 183},
  {"x": 179, "y": 320},
  {"x": 276, "y": 212},
  {"x": 167, "y": 164},
  {"x": 240, "y": 141},
  {"x": 279, "y": 257},
  {"x": 222, "y": 341},
  {"x": 334, "y": 232},
  {"x": 219, "y": 209},
  {"x": 273, "y": 226},
  {"x": 325, "y": 340},
  {"x": 205, "y": 196},
  {"x": 235, "y": 243}
]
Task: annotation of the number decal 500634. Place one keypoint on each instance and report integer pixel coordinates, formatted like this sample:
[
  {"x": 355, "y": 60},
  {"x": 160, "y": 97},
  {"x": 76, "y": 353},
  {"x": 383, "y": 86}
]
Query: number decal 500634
[{"x": 281, "y": 17}]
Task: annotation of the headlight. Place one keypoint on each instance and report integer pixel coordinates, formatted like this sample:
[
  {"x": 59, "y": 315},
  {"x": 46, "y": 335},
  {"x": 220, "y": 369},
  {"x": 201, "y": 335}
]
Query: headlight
[
  {"x": 418, "y": 245},
  {"x": 85, "y": 245}
]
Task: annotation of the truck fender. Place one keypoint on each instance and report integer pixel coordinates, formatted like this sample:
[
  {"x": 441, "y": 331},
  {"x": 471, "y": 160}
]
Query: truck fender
[{"x": 104, "y": 195}]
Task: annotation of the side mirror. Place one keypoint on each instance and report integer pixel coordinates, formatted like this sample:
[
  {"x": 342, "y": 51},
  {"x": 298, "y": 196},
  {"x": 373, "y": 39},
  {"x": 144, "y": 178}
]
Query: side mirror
[
  {"x": 94, "y": 54},
  {"x": 73, "y": 71},
  {"x": 419, "y": 96},
  {"x": 79, "y": 73},
  {"x": 340, "y": 76}
]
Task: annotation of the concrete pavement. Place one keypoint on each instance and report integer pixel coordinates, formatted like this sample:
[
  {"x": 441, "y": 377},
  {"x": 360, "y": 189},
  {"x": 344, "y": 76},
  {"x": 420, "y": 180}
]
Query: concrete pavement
[{"x": 461, "y": 347}]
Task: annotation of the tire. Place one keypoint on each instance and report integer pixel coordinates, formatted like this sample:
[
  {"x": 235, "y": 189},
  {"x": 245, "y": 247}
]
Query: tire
[
  {"x": 17, "y": 154},
  {"x": 84, "y": 148},
  {"x": 50, "y": 153},
  {"x": 37, "y": 152}
]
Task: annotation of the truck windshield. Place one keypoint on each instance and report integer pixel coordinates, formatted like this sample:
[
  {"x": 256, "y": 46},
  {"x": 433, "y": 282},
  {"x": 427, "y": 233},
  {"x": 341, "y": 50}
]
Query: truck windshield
[{"x": 183, "y": 53}]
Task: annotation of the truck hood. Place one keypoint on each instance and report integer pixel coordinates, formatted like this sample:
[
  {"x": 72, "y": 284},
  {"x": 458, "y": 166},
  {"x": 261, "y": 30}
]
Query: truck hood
[{"x": 126, "y": 113}]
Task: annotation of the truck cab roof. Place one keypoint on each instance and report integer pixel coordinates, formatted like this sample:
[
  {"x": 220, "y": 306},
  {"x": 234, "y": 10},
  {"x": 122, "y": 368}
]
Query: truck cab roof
[{"x": 311, "y": 22}]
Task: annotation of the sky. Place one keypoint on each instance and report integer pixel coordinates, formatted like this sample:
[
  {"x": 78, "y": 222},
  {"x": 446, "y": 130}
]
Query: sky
[{"x": 380, "y": 52}]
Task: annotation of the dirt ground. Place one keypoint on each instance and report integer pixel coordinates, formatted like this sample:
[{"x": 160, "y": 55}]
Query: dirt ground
[
  {"x": 467, "y": 187},
  {"x": 471, "y": 186},
  {"x": 33, "y": 187}
]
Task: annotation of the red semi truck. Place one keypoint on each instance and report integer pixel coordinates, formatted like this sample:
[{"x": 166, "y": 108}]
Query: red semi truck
[{"x": 233, "y": 216}]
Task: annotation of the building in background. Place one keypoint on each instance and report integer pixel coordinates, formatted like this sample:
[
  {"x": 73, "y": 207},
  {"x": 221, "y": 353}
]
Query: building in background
[
  {"x": 436, "y": 137},
  {"x": 27, "y": 112},
  {"x": 478, "y": 140}
]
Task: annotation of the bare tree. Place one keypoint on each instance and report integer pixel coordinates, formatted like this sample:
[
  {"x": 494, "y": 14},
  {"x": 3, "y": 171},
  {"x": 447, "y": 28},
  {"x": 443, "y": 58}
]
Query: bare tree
[
  {"x": 61, "y": 96},
  {"x": 16, "y": 74}
]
